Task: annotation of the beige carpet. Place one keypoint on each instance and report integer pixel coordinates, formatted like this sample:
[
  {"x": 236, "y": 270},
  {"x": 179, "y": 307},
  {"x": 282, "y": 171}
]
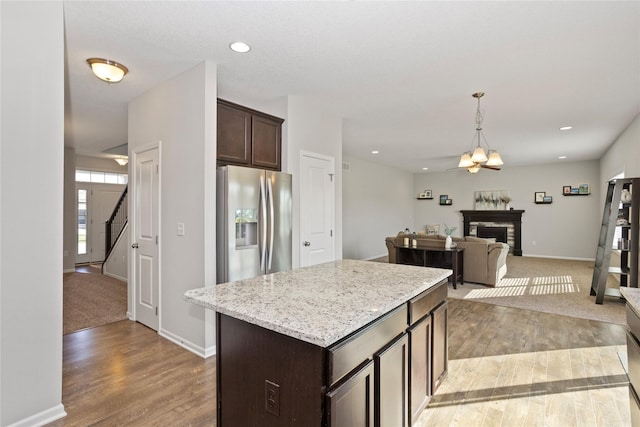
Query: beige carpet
[
  {"x": 550, "y": 286},
  {"x": 92, "y": 299}
]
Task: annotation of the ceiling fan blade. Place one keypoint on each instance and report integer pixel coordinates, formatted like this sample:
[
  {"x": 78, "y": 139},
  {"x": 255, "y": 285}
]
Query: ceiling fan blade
[{"x": 495, "y": 168}]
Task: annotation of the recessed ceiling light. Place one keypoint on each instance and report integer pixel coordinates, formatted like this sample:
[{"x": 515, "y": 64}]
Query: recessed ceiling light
[
  {"x": 375, "y": 152},
  {"x": 566, "y": 128},
  {"x": 424, "y": 169},
  {"x": 240, "y": 47},
  {"x": 562, "y": 157}
]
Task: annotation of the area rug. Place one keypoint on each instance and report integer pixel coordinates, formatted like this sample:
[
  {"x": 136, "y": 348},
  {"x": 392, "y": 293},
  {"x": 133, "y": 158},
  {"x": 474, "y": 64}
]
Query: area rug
[
  {"x": 92, "y": 299},
  {"x": 548, "y": 285}
]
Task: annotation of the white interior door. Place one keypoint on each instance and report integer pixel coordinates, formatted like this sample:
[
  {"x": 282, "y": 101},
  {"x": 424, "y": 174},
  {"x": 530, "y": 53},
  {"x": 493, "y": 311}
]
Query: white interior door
[
  {"x": 317, "y": 194},
  {"x": 145, "y": 237}
]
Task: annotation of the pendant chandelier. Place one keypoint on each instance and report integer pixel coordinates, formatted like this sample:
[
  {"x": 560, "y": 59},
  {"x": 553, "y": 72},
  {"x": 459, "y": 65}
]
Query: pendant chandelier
[{"x": 479, "y": 158}]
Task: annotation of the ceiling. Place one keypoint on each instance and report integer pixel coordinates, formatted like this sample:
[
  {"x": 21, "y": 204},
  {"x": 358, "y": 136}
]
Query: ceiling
[{"x": 400, "y": 74}]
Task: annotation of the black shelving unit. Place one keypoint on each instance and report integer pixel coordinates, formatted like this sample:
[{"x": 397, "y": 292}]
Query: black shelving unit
[{"x": 625, "y": 216}]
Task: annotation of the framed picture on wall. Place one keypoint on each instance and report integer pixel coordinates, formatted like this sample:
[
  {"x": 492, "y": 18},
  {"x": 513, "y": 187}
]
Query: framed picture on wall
[
  {"x": 566, "y": 189},
  {"x": 538, "y": 196},
  {"x": 428, "y": 194},
  {"x": 443, "y": 199}
]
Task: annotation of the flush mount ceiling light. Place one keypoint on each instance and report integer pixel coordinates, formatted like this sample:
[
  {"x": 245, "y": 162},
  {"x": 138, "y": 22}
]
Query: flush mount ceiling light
[
  {"x": 478, "y": 158},
  {"x": 122, "y": 161},
  {"x": 240, "y": 47},
  {"x": 566, "y": 128},
  {"x": 107, "y": 70}
]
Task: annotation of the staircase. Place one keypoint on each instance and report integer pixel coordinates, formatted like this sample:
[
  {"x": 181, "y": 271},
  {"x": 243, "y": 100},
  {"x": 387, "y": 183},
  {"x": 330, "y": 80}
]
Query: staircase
[{"x": 116, "y": 223}]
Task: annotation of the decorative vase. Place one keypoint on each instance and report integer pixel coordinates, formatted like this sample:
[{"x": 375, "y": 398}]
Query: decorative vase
[
  {"x": 625, "y": 196},
  {"x": 447, "y": 242}
]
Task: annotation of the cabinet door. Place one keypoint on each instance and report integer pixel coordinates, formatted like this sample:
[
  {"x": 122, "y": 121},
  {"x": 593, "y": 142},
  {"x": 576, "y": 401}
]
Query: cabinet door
[
  {"x": 420, "y": 367},
  {"x": 266, "y": 146},
  {"x": 439, "y": 345},
  {"x": 351, "y": 404},
  {"x": 392, "y": 388},
  {"x": 234, "y": 135}
]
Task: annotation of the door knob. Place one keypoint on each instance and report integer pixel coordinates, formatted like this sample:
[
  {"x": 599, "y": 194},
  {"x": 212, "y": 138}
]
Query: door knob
[
  {"x": 306, "y": 243},
  {"x": 134, "y": 246}
]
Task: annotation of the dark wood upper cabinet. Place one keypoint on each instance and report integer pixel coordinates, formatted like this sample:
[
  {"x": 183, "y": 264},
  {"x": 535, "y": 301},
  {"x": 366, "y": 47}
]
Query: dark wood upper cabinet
[{"x": 248, "y": 137}]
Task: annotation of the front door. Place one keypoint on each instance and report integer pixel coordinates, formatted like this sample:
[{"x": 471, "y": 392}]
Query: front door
[
  {"x": 317, "y": 195},
  {"x": 146, "y": 281},
  {"x": 95, "y": 203}
]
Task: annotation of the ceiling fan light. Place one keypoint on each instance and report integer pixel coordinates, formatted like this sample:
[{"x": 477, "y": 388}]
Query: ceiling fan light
[
  {"x": 107, "y": 70},
  {"x": 474, "y": 169},
  {"x": 494, "y": 159},
  {"x": 465, "y": 161},
  {"x": 479, "y": 156}
]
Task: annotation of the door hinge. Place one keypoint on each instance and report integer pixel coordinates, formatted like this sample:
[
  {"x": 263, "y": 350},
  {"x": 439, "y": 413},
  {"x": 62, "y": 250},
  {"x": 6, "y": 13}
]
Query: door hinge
[
  {"x": 156, "y": 310},
  {"x": 330, "y": 233},
  {"x": 156, "y": 240},
  {"x": 157, "y": 168},
  {"x": 331, "y": 177}
]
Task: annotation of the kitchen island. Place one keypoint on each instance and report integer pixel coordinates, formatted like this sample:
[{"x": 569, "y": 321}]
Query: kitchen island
[{"x": 344, "y": 343}]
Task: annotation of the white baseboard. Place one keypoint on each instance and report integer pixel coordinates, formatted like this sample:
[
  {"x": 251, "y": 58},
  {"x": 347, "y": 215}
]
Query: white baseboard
[
  {"x": 69, "y": 270},
  {"x": 376, "y": 257},
  {"x": 42, "y": 418},
  {"x": 188, "y": 345},
  {"x": 559, "y": 257},
  {"x": 115, "y": 276}
]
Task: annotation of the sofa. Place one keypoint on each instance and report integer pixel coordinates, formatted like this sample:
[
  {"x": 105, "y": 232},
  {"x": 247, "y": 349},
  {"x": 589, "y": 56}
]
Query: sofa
[{"x": 485, "y": 260}]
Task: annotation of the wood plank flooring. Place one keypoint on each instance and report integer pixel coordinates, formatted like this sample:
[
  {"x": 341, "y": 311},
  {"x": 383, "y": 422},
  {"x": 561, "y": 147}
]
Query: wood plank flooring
[
  {"x": 507, "y": 367},
  {"x": 514, "y": 367}
]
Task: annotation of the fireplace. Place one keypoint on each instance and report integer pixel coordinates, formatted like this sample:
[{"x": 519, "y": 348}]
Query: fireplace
[
  {"x": 510, "y": 220},
  {"x": 489, "y": 232}
]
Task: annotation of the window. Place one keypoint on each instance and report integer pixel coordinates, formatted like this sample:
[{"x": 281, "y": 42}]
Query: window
[
  {"x": 101, "y": 177},
  {"x": 82, "y": 222}
]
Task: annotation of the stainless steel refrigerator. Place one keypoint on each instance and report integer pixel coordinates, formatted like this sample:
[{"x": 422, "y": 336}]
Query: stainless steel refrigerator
[{"x": 253, "y": 222}]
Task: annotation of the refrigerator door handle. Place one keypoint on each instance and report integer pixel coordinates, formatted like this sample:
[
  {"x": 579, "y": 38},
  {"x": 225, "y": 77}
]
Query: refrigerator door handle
[
  {"x": 271, "y": 222},
  {"x": 263, "y": 241}
]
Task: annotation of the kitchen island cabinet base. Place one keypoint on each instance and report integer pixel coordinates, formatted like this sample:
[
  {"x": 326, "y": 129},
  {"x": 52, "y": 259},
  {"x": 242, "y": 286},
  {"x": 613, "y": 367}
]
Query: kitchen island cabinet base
[{"x": 265, "y": 378}]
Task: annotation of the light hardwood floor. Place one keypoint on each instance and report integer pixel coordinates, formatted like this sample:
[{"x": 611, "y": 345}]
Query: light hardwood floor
[{"x": 507, "y": 367}]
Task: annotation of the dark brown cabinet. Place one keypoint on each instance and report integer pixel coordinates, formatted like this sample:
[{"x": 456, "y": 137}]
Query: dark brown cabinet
[
  {"x": 440, "y": 346},
  {"x": 248, "y": 137},
  {"x": 351, "y": 404},
  {"x": 392, "y": 380},
  {"x": 420, "y": 348}
]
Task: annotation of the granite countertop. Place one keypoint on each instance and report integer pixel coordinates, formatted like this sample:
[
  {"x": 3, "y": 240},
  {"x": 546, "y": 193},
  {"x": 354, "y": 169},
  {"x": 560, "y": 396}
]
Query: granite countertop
[
  {"x": 323, "y": 303},
  {"x": 632, "y": 295}
]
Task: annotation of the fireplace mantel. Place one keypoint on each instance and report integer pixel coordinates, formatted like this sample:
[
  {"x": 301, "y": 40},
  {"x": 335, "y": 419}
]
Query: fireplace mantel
[{"x": 512, "y": 216}]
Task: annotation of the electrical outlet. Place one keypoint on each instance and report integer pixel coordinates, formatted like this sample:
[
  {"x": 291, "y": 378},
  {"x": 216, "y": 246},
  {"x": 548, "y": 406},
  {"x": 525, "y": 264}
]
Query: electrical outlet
[{"x": 272, "y": 398}]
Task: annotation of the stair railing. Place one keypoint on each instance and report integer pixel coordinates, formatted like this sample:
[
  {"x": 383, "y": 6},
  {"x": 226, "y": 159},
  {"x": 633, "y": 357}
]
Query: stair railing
[{"x": 116, "y": 223}]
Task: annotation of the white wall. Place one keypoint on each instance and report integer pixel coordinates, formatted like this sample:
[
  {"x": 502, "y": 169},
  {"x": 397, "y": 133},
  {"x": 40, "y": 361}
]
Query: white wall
[
  {"x": 181, "y": 113},
  {"x": 310, "y": 128},
  {"x": 623, "y": 155},
  {"x": 99, "y": 164},
  {"x": 70, "y": 229},
  {"x": 378, "y": 202},
  {"x": 32, "y": 127},
  {"x": 567, "y": 228},
  {"x": 117, "y": 265}
]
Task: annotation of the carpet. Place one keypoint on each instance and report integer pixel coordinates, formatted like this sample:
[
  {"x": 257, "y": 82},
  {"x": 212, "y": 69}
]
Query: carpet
[
  {"x": 92, "y": 299},
  {"x": 548, "y": 285}
]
